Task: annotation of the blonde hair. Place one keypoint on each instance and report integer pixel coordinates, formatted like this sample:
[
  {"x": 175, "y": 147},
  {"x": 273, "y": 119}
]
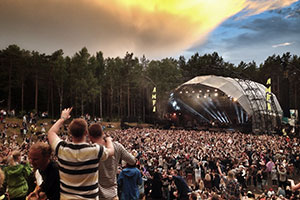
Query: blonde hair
[
  {"x": 14, "y": 158},
  {"x": 207, "y": 177}
]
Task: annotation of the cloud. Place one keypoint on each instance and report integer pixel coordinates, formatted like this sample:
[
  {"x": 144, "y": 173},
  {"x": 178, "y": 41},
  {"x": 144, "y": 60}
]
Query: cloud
[
  {"x": 154, "y": 28},
  {"x": 282, "y": 44}
]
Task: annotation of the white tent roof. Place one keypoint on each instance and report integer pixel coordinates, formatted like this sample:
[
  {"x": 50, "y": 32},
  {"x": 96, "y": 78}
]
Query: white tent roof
[{"x": 235, "y": 89}]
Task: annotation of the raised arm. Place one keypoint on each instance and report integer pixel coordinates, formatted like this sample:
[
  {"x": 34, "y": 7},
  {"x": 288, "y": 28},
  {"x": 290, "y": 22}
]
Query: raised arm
[
  {"x": 293, "y": 186},
  {"x": 52, "y": 133}
]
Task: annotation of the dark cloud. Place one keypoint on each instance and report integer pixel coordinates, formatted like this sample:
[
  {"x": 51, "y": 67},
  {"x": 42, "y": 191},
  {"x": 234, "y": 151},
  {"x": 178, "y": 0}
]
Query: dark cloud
[{"x": 255, "y": 38}]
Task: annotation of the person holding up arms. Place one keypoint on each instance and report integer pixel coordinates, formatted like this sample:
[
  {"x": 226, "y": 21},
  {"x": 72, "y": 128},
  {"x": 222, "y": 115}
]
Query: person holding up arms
[{"x": 78, "y": 160}]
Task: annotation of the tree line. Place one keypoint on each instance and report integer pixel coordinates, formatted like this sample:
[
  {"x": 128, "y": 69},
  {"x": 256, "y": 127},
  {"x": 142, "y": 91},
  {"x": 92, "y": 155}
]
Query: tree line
[{"x": 113, "y": 88}]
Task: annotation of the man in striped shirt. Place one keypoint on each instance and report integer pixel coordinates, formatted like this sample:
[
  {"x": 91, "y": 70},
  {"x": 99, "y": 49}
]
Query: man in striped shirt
[
  {"x": 108, "y": 168},
  {"x": 78, "y": 160}
]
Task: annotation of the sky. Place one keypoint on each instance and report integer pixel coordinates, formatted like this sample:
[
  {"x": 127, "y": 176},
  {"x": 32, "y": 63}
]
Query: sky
[{"x": 238, "y": 30}]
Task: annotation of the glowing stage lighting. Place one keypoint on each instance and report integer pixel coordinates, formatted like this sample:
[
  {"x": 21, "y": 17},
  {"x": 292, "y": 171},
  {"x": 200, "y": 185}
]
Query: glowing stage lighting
[{"x": 216, "y": 94}]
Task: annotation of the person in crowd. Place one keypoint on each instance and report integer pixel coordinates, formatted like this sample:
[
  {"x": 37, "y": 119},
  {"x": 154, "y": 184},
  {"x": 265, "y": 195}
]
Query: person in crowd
[
  {"x": 40, "y": 159},
  {"x": 282, "y": 175},
  {"x": 182, "y": 187},
  {"x": 16, "y": 175},
  {"x": 108, "y": 169},
  {"x": 156, "y": 186},
  {"x": 232, "y": 190},
  {"x": 78, "y": 160},
  {"x": 129, "y": 180}
]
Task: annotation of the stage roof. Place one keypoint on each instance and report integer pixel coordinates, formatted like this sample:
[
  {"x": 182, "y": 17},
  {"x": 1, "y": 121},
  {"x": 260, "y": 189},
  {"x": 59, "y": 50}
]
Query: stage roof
[{"x": 243, "y": 91}]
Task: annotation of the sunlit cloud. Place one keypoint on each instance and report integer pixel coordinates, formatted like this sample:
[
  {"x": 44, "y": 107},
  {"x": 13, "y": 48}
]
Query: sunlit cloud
[
  {"x": 282, "y": 44},
  {"x": 253, "y": 7},
  {"x": 154, "y": 28}
]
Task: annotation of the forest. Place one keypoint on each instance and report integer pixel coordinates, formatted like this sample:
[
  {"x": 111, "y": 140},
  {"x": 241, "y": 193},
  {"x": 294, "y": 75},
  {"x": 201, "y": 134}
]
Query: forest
[{"x": 114, "y": 88}]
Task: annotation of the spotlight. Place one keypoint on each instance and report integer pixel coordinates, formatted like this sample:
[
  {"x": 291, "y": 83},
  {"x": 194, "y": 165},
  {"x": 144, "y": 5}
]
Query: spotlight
[
  {"x": 234, "y": 99},
  {"x": 216, "y": 94},
  {"x": 186, "y": 91},
  {"x": 180, "y": 92},
  {"x": 207, "y": 90}
]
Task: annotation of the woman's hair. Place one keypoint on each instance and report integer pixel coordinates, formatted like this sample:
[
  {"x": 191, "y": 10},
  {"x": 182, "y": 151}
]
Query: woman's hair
[
  {"x": 14, "y": 158},
  {"x": 207, "y": 177}
]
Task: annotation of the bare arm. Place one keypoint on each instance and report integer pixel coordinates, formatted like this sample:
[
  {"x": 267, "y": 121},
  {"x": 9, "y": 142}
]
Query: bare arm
[
  {"x": 52, "y": 133},
  {"x": 293, "y": 186},
  {"x": 219, "y": 169}
]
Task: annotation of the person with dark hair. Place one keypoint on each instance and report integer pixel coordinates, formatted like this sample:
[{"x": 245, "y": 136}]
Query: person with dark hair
[
  {"x": 128, "y": 181},
  {"x": 108, "y": 168},
  {"x": 40, "y": 159},
  {"x": 78, "y": 160},
  {"x": 181, "y": 185},
  {"x": 156, "y": 186}
]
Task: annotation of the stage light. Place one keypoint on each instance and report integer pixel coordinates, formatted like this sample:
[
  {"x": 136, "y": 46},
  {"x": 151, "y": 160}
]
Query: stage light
[
  {"x": 204, "y": 96},
  {"x": 180, "y": 92},
  {"x": 216, "y": 90},
  {"x": 186, "y": 92},
  {"x": 207, "y": 90},
  {"x": 234, "y": 99},
  {"x": 216, "y": 94},
  {"x": 200, "y": 91},
  {"x": 174, "y": 103},
  {"x": 193, "y": 91}
]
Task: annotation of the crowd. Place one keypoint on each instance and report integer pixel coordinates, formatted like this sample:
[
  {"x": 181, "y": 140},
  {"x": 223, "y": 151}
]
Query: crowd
[{"x": 164, "y": 164}]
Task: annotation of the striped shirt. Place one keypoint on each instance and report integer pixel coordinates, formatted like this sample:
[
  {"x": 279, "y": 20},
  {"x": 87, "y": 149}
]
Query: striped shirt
[
  {"x": 78, "y": 168},
  {"x": 108, "y": 171}
]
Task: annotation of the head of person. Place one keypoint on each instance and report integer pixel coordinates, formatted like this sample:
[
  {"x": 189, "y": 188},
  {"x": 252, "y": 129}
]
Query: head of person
[
  {"x": 78, "y": 128},
  {"x": 231, "y": 174},
  {"x": 39, "y": 155},
  {"x": 96, "y": 132},
  {"x": 15, "y": 158}
]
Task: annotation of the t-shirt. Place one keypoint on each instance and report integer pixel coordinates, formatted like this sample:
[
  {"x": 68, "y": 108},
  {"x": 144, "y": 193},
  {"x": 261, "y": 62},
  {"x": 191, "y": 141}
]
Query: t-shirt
[{"x": 78, "y": 168}]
